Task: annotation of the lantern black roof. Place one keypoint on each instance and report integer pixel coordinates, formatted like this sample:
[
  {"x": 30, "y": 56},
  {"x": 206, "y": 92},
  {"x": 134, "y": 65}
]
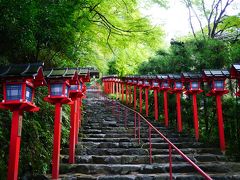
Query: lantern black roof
[
  {"x": 162, "y": 76},
  {"x": 235, "y": 71},
  {"x": 152, "y": 77},
  {"x": 190, "y": 75},
  {"x": 174, "y": 76},
  {"x": 236, "y": 67},
  {"x": 60, "y": 73},
  {"x": 83, "y": 71},
  {"x": 88, "y": 70},
  {"x": 216, "y": 73},
  {"x": 21, "y": 70}
]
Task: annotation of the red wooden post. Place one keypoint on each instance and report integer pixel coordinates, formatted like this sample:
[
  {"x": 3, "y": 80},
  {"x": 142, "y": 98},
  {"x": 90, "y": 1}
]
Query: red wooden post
[
  {"x": 140, "y": 98},
  {"x": 79, "y": 121},
  {"x": 165, "y": 98},
  {"x": 179, "y": 116},
  {"x": 146, "y": 101},
  {"x": 117, "y": 90},
  {"x": 130, "y": 94},
  {"x": 135, "y": 97},
  {"x": 195, "y": 116},
  {"x": 126, "y": 93},
  {"x": 122, "y": 91},
  {"x": 14, "y": 148},
  {"x": 220, "y": 122},
  {"x": 155, "y": 91},
  {"x": 57, "y": 140},
  {"x": 73, "y": 133}
]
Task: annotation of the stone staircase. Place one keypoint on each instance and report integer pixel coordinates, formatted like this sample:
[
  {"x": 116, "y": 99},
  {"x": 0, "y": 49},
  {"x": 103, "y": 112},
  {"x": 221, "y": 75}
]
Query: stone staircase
[{"x": 107, "y": 150}]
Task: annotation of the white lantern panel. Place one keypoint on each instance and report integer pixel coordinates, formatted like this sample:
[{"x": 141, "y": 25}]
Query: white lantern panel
[
  {"x": 66, "y": 90},
  {"x": 74, "y": 87},
  {"x": 56, "y": 89},
  {"x": 219, "y": 84},
  {"x": 146, "y": 83},
  {"x": 14, "y": 92},
  {"x": 155, "y": 84},
  {"x": 195, "y": 85},
  {"x": 165, "y": 85},
  {"x": 178, "y": 85},
  {"x": 29, "y": 94}
]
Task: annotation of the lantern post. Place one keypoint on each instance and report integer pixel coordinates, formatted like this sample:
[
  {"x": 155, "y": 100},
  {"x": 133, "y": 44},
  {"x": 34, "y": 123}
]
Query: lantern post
[
  {"x": 85, "y": 75},
  {"x": 177, "y": 88},
  {"x": 135, "y": 82},
  {"x": 164, "y": 87},
  {"x": 155, "y": 87},
  {"x": 19, "y": 83},
  {"x": 126, "y": 84},
  {"x": 58, "y": 88},
  {"x": 216, "y": 80},
  {"x": 75, "y": 92},
  {"x": 193, "y": 87},
  {"x": 140, "y": 86},
  {"x": 129, "y": 83},
  {"x": 146, "y": 86}
]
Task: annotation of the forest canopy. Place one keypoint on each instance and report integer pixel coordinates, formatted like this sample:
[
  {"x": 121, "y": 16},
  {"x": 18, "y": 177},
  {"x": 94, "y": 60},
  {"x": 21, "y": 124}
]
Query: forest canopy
[{"x": 77, "y": 33}]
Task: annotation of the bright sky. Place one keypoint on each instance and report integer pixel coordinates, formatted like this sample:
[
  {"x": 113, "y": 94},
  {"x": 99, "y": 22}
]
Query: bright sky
[{"x": 175, "y": 19}]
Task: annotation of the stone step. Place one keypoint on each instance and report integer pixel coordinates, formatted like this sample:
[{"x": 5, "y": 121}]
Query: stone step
[
  {"x": 143, "y": 159},
  {"x": 124, "y": 169},
  {"x": 154, "y": 140},
  {"x": 137, "y": 151},
  {"x": 157, "y": 176},
  {"x": 162, "y": 145},
  {"x": 131, "y": 135}
]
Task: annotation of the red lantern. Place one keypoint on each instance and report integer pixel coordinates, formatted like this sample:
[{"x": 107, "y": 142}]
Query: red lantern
[
  {"x": 164, "y": 87},
  {"x": 19, "y": 83},
  {"x": 177, "y": 88},
  {"x": 235, "y": 74},
  {"x": 192, "y": 82},
  {"x": 58, "y": 87},
  {"x": 216, "y": 79}
]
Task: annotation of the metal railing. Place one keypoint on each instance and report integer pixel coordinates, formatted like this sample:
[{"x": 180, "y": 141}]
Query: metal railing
[{"x": 137, "y": 132}]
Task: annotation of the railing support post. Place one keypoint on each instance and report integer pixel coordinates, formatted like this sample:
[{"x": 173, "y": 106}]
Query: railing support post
[
  {"x": 170, "y": 161},
  {"x": 135, "y": 124},
  {"x": 139, "y": 126},
  {"x": 150, "y": 143},
  {"x": 125, "y": 118}
]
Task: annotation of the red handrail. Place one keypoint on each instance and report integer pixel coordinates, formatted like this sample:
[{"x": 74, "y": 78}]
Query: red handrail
[{"x": 171, "y": 145}]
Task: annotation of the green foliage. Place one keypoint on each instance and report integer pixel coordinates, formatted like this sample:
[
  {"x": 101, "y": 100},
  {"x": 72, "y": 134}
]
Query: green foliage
[{"x": 193, "y": 55}]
